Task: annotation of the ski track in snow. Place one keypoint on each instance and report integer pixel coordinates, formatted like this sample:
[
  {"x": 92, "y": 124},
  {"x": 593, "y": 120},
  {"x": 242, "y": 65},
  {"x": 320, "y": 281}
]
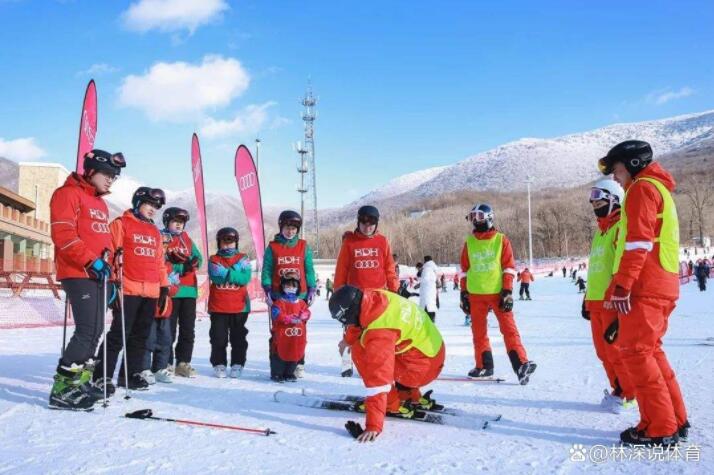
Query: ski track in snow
[{"x": 541, "y": 421}]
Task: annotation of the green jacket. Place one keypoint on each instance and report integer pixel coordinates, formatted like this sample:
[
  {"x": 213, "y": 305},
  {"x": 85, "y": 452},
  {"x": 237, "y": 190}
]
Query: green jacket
[{"x": 266, "y": 276}]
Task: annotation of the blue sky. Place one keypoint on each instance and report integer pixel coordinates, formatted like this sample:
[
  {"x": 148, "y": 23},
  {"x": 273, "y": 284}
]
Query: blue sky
[{"x": 403, "y": 85}]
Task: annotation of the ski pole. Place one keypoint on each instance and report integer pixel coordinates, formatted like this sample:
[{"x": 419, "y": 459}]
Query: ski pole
[
  {"x": 148, "y": 414},
  {"x": 103, "y": 313},
  {"x": 120, "y": 264},
  {"x": 471, "y": 380}
]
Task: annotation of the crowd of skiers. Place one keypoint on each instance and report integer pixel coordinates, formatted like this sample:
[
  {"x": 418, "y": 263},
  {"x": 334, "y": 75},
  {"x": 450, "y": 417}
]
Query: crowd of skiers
[{"x": 148, "y": 278}]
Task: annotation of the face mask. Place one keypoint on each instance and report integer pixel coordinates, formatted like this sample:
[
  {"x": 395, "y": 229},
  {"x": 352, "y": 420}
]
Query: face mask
[
  {"x": 481, "y": 226},
  {"x": 290, "y": 290},
  {"x": 602, "y": 211}
]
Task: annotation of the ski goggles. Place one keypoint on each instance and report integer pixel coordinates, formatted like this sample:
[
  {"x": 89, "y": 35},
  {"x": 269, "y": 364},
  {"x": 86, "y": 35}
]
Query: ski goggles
[
  {"x": 180, "y": 216},
  {"x": 229, "y": 238},
  {"x": 597, "y": 194},
  {"x": 295, "y": 223},
  {"x": 477, "y": 216},
  {"x": 604, "y": 166},
  {"x": 370, "y": 220},
  {"x": 152, "y": 195},
  {"x": 116, "y": 160}
]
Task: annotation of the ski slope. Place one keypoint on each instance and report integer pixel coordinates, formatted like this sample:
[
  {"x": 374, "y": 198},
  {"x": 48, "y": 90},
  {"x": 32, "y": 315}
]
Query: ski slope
[{"x": 540, "y": 423}]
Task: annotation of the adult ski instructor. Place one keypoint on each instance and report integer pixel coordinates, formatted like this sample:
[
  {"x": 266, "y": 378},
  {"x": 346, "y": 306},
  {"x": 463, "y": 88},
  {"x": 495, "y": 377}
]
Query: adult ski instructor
[
  {"x": 397, "y": 349},
  {"x": 83, "y": 246},
  {"x": 644, "y": 290}
]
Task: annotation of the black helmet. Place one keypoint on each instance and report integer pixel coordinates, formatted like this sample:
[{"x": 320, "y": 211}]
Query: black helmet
[
  {"x": 290, "y": 276},
  {"x": 481, "y": 216},
  {"x": 144, "y": 194},
  {"x": 345, "y": 305},
  {"x": 289, "y": 217},
  {"x": 368, "y": 211},
  {"x": 101, "y": 161},
  {"x": 634, "y": 154},
  {"x": 226, "y": 235},
  {"x": 174, "y": 213}
]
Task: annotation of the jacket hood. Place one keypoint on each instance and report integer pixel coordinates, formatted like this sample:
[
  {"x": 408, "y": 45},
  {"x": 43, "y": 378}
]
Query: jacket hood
[{"x": 656, "y": 171}]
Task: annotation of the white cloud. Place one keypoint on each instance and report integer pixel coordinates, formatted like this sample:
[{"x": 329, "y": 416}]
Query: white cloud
[
  {"x": 666, "y": 95},
  {"x": 249, "y": 120},
  {"x": 24, "y": 149},
  {"x": 98, "y": 69},
  {"x": 172, "y": 15},
  {"x": 176, "y": 91}
]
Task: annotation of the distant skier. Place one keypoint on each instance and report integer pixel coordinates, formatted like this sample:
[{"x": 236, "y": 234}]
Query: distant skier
[
  {"x": 606, "y": 197},
  {"x": 396, "y": 348},
  {"x": 580, "y": 282},
  {"x": 645, "y": 289},
  {"x": 487, "y": 260},
  {"x": 329, "y": 287},
  {"x": 525, "y": 278},
  {"x": 80, "y": 234},
  {"x": 565, "y": 272},
  {"x": 702, "y": 270}
]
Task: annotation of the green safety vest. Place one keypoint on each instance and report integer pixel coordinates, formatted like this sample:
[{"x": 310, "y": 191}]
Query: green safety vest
[
  {"x": 485, "y": 276},
  {"x": 412, "y": 322},
  {"x": 668, "y": 237},
  {"x": 602, "y": 255}
]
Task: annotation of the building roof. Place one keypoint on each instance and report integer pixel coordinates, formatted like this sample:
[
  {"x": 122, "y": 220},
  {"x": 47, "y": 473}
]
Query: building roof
[{"x": 15, "y": 201}]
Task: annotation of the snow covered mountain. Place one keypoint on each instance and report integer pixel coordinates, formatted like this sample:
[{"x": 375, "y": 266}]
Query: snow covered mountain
[
  {"x": 401, "y": 184},
  {"x": 564, "y": 161}
]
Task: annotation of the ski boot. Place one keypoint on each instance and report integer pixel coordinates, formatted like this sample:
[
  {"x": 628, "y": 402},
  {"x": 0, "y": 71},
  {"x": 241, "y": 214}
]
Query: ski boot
[
  {"x": 683, "y": 432},
  {"x": 403, "y": 412},
  {"x": 426, "y": 403},
  {"x": 632, "y": 436},
  {"x": 98, "y": 387},
  {"x": 291, "y": 378},
  {"x": 86, "y": 380},
  {"x": 136, "y": 382},
  {"x": 524, "y": 372},
  {"x": 479, "y": 373},
  {"x": 68, "y": 393}
]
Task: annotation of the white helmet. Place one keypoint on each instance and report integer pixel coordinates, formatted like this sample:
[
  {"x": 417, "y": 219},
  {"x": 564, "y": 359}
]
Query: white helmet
[{"x": 611, "y": 187}]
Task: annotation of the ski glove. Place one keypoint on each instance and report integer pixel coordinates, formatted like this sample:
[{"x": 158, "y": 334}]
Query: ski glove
[
  {"x": 174, "y": 278},
  {"x": 242, "y": 265},
  {"x": 506, "y": 302},
  {"x": 611, "y": 332},
  {"x": 310, "y": 295},
  {"x": 354, "y": 428},
  {"x": 163, "y": 298},
  {"x": 584, "y": 312},
  {"x": 217, "y": 270},
  {"x": 98, "y": 269},
  {"x": 465, "y": 304},
  {"x": 621, "y": 300},
  {"x": 274, "y": 312},
  {"x": 268, "y": 296},
  {"x": 190, "y": 265}
]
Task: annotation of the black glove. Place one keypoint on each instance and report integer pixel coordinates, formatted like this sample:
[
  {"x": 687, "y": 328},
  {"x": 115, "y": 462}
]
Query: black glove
[
  {"x": 611, "y": 332},
  {"x": 354, "y": 428},
  {"x": 506, "y": 302},
  {"x": 163, "y": 296},
  {"x": 189, "y": 265},
  {"x": 585, "y": 314},
  {"x": 98, "y": 269},
  {"x": 465, "y": 304}
]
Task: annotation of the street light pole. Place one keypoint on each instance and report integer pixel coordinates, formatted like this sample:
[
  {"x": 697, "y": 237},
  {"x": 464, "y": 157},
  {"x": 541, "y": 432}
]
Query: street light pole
[
  {"x": 530, "y": 226},
  {"x": 257, "y": 156}
]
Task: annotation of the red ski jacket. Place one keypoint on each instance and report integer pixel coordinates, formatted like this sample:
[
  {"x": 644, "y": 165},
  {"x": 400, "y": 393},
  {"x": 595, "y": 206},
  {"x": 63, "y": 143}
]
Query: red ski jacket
[{"x": 366, "y": 262}]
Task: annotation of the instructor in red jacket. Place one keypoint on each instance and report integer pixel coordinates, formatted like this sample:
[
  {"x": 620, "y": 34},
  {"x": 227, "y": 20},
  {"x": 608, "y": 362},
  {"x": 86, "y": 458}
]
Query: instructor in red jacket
[{"x": 644, "y": 290}]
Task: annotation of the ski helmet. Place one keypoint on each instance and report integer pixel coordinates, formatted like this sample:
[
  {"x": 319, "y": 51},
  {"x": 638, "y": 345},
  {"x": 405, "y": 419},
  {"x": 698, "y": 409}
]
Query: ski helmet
[
  {"x": 608, "y": 190},
  {"x": 226, "y": 235},
  {"x": 369, "y": 213},
  {"x": 635, "y": 155},
  {"x": 144, "y": 194},
  {"x": 101, "y": 161},
  {"x": 481, "y": 216},
  {"x": 289, "y": 218},
  {"x": 174, "y": 213},
  {"x": 345, "y": 305},
  {"x": 290, "y": 276}
]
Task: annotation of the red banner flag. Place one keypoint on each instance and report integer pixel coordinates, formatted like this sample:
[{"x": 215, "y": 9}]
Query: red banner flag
[
  {"x": 87, "y": 125},
  {"x": 249, "y": 187}
]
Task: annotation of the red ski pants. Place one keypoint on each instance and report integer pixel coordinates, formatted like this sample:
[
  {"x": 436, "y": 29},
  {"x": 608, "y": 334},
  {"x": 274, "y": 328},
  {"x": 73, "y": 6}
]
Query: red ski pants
[
  {"x": 658, "y": 395},
  {"x": 609, "y": 355},
  {"x": 480, "y": 305}
]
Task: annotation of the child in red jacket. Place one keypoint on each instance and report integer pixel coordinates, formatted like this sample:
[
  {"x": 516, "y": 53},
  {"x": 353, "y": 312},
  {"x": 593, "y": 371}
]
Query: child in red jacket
[{"x": 289, "y": 315}]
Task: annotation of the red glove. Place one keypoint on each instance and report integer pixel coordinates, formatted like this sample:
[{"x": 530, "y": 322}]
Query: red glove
[{"x": 621, "y": 300}]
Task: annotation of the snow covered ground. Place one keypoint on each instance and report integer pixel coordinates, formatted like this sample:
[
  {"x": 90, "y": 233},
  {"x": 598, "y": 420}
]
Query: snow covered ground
[{"x": 540, "y": 423}]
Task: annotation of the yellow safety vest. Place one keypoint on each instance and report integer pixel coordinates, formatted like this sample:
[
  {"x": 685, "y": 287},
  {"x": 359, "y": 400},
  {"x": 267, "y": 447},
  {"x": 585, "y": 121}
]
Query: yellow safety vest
[
  {"x": 668, "y": 237},
  {"x": 485, "y": 275},
  {"x": 412, "y": 322},
  {"x": 602, "y": 255}
]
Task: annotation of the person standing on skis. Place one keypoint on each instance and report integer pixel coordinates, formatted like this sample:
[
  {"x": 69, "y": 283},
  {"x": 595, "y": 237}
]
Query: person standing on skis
[
  {"x": 144, "y": 286},
  {"x": 285, "y": 253},
  {"x": 644, "y": 290},
  {"x": 487, "y": 260},
  {"x": 79, "y": 226},
  {"x": 606, "y": 198},
  {"x": 525, "y": 278},
  {"x": 396, "y": 348},
  {"x": 186, "y": 259}
]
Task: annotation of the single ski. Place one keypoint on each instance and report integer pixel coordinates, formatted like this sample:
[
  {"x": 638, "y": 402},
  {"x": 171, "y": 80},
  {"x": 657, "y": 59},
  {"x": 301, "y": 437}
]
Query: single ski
[
  {"x": 349, "y": 406},
  {"x": 466, "y": 379},
  {"x": 436, "y": 408}
]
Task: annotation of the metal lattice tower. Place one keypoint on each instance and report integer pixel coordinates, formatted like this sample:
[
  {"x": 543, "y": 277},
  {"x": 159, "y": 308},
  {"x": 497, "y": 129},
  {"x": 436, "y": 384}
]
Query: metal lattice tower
[
  {"x": 308, "y": 117},
  {"x": 302, "y": 188}
]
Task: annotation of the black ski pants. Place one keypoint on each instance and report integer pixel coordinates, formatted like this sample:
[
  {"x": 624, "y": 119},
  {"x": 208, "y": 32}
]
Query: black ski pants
[
  {"x": 183, "y": 316},
  {"x": 227, "y": 327},
  {"x": 86, "y": 297}
]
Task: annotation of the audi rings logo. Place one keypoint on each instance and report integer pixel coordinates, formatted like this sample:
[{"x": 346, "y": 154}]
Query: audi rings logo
[
  {"x": 145, "y": 251},
  {"x": 247, "y": 181},
  {"x": 366, "y": 264},
  {"x": 100, "y": 228},
  {"x": 293, "y": 331}
]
